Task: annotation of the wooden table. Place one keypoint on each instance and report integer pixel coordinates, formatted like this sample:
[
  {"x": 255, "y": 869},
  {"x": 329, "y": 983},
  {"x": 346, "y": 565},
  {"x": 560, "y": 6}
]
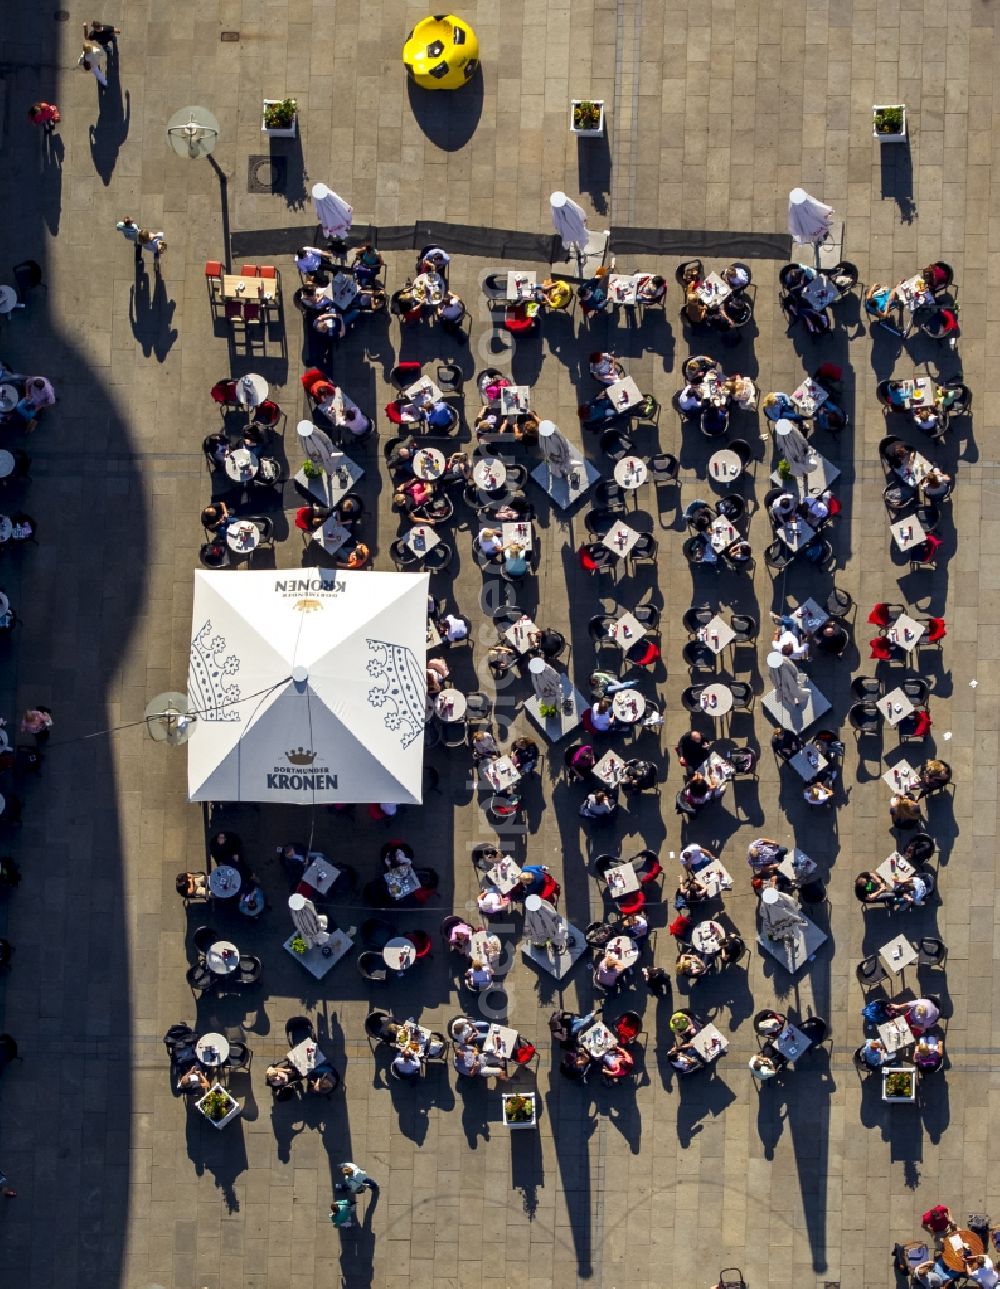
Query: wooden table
[
  {"x": 953, "y": 1248},
  {"x": 253, "y": 286}
]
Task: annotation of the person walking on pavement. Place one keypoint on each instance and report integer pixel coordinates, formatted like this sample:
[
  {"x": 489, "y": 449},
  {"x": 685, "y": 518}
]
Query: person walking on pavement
[
  {"x": 342, "y": 1212},
  {"x": 130, "y": 230},
  {"x": 354, "y": 1179},
  {"x": 44, "y": 114},
  {"x": 154, "y": 243},
  {"x": 92, "y": 60},
  {"x": 102, "y": 33}
]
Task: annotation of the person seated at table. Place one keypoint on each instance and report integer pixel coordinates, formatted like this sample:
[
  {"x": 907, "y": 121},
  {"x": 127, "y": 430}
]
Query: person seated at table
[
  {"x": 831, "y": 638},
  {"x": 683, "y": 1025},
  {"x": 693, "y": 749},
  {"x": 282, "y": 1075},
  {"x": 763, "y": 1065},
  {"x": 920, "y": 1013},
  {"x": 690, "y": 890},
  {"x": 880, "y": 301},
  {"x": 457, "y": 468},
  {"x": 574, "y": 1064},
  {"x": 216, "y": 446},
  {"x": 579, "y": 761},
  {"x": 406, "y": 1063},
  {"x": 928, "y": 1053},
  {"x": 786, "y": 642},
  {"x": 451, "y": 308},
  {"x": 437, "y": 672},
  {"x": 910, "y": 892},
  {"x": 650, "y": 289},
  {"x": 500, "y": 658},
  {"x": 768, "y": 1022},
  {"x": 904, "y": 811},
  {"x": 490, "y": 542},
  {"x": 700, "y": 789},
  {"x": 217, "y": 517},
  {"x": 936, "y": 484},
  {"x": 684, "y": 1058},
  {"x": 938, "y": 1220},
  {"x": 764, "y": 854},
  {"x": 778, "y": 406},
  {"x": 433, "y": 260},
  {"x": 413, "y": 497},
  {"x": 439, "y": 416},
  {"x": 603, "y": 683},
  {"x": 690, "y": 399},
  {"x": 872, "y": 1052},
  {"x": 609, "y": 970},
  {"x": 225, "y": 848},
  {"x": 313, "y": 296},
  {"x": 554, "y": 293},
  {"x": 194, "y": 1081},
  {"x": 898, "y": 455},
  {"x": 593, "y": 293},
  {"x": 699, "y": 516},
  {"x": 368, "y": 263},
  {"x": 515, "y": 560},
  {"x": 830, "y": 417},
  {"x": 524, "y": 752},
  {"x": 353, "y": 555},
  {"x": 598, "y": 805},
  {"x": 490, "y": 421},
  {"x": 636, "y": 925},
  {"x": 323, "y": 1080},
  {"x": 600, "y": 411},
  {"x": 331, "y": 324},
  {"x": 491, "y": 903},
  {"x": 783, "y": 508},
  {"x": 869, "y": 888},
  {"x": 405, "y": 304},
  {"x": 191, "y": 885},
  {"x": 815, "y": 510},
  {"x": 638, "y": 776},
  {"x": 689, "y": 966},
  {"x": 933, "y": 776},
  {"x": 694, "y": 857},
  {"x": 484, "y": 747},
  {"x": 532, "y": 880},
  {"x": 818, "y": 793},
  {"x": 309, "y": 518},
  {"x": 785, "y": 744},
  {"x": 926, "y": 418},
  {"x": 401, "y": 456},
  {"x": 616, "y": 1063},
  {"x": 309, "y": 259},
  {"x": 604, "y": 367},
  {"x": 472, "y": 1064}
]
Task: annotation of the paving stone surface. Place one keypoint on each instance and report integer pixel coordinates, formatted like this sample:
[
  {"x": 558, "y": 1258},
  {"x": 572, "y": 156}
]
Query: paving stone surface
[{"x": 714, "y": 112}]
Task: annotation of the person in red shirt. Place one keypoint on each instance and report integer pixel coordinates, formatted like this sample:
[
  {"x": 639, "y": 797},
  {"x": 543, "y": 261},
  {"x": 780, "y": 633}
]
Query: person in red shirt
[{"x": 938, "y": 1220}]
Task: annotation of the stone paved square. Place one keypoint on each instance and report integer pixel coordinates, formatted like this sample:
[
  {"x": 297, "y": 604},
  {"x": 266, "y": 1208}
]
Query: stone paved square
[{"x": 714, "y": 112}]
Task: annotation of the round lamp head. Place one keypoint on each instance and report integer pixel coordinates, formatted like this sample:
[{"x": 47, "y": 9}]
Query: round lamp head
[
  {"x": 769, "y": 895},
  {"x": 168, "y": 719},
  {"x": 296, "y": 903},
  {"x": 545, "y": 428},
  {"x": 533, "y": 903},
  {"x": 193, "y": 132}
]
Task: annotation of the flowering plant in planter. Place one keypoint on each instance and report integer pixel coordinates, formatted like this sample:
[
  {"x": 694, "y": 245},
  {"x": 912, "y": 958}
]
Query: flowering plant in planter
[
  {"x": 310, "y": 469},
  {"x": 216, "y": 1103},
  {"x": 298, "y": 944},
  {"x": 888, "y": 120},
  {"x": 899, "y": 1084},
  {"x": 784, "y": 469},
  {"x": 519, "y": 1110},
  {"x": 547, "y": 709},
  {"x": 586, "y": 115},
  {"x": 279, "y": 114}
]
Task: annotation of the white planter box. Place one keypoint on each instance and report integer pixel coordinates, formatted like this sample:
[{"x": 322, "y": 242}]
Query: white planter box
[
  {"x": 586, "y": 132},
  {"x": 529, "y": 1123},
  {"x": 287, "y": 132},
  {"x": 889, "y": 138},
  {"x": 899, "y": 1069},
  {"x": 234, "y": 1107}
]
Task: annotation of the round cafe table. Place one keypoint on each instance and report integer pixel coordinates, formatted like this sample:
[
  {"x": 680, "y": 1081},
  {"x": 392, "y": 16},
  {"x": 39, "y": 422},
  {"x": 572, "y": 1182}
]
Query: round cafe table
[
  {"x": 224, "y": 882},
  {"x": 428, "y": 464},
  {"x": 725, "y": 465},
  {"x": 954, "y": 1260},
  {"x": 222, "y": 958},
  {"x": 241, "y": 464},
  {"x": 8, "y": 398},
  {"x": 428, "y": 288},
  {"x": 625, "y": 948},
  {"x": 707, "y": 937},
  {"x": 8, "y": 298},
  {"x": 451, "y": 705},
  {"x": 628, "y": 707},
  {"x": 716, "y": 700},
  {"x": 251, "y": 390},
  {"x": 630, "y": 472},
  {"x": 489, "y": 474},
  {"x": 6, "y": 463},
  {"x": 399, "y": 953},
  {"x": 212, "y": 1049},
  {"x": 243, "y": 536},
  {"x": 6, "y": 528}
]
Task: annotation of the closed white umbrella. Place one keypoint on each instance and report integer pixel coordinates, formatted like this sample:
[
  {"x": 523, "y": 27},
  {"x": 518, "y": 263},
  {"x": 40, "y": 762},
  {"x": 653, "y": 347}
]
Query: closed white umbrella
[
  {"x": 543, "y": 923},
  {"x": 788, "y": 681},
  {"x": 318, "y": 447},
  {"x": 545, "y": 681},
  {"x": 795, "y": 448},
  {"x": 334, "y": 214},
  {"x": 556, "y": 451},
  {"x": 808, "y": 219},
  {"x": 570, "y": 222},
  {"x": 310, "y": 926},
  {"x": 779, "y": 913}
]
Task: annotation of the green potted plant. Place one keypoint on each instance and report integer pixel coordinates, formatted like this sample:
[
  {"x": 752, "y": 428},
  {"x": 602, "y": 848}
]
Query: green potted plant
[
  {"x": 310, "y": 469},
  {"x": 889, "y": 122},
  {"x": 586, "y": 116},
  {"x": 784, "y": 470},
  {"x": 218, "y": 1106},
  {"x": 519, "y": 1110},
  {"x": 279, "y": 117},
  {"x": 899, "y": 1084},
  {"x": 545, "y": 710},
  {"x": 298, "y": 945}
]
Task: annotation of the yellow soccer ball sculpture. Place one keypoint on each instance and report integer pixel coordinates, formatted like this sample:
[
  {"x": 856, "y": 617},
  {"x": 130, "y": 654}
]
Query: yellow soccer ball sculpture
[{"x": 441, "y": 53}]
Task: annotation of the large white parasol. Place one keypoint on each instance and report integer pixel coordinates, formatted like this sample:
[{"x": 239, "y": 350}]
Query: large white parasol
[
  {"x": 318, "y": 447},
  {"x": 808, "y": 219},
  {"x": 310, "y": 926},
  {"x": 543, "y": 923},
  {"x": 545, "y": 681},
  {"x": 789, "y": 683},
  {"x": 779, "y": 913},
  {"x": 570, "y": 222},
  {"x": 334, "y": 214},
  {"x": 556, "y": 451},
  {"x": 794, "y": 448}
]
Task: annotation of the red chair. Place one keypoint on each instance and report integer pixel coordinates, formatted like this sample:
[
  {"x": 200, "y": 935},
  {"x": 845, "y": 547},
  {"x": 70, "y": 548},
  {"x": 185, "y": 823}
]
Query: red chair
[
  {"x": 936, "y": 630},
  {"x": 310, "y": 377},
  {"x": 213, "y": 281},
  {"x": 925, "y": 554},
  {"x": 267, "y": 413},
  {"x": 634, "y": 902},
  {"x": 881, "y": 649},
  {"x": 404, "y": 374},
  {"x": 524, "y": 1051},
  {"x": 393, "y": 413},
  {"x": 551, "y": 890},
  {"x": 916, "y": 725},
  {"x": 421, "y": 942},
  {"x": 234, "y": 310},
  {"x": 627, "y": 1027},
  {"x": 267, "y": 270},
  {"x": 880, "y": 615},
  {"x": 223, "y": 392},
  {"x": 302, "y": 518},
  {"x": 518, "y": 321},
  {"x": 587, "y": 563},
  {"x": 652, "y": 870},
  {"x": 213, "y": 269},
  {"x": 834, "y": 507},
  {"x": 644, "y": 653},
  {"x": 248, "y": 270}
]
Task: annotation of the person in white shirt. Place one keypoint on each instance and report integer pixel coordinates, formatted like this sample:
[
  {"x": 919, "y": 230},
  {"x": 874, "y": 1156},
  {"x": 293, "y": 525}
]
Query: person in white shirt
[
  {"x": 490, "y": 541},
  {"x": 311, "y": 258},
  {"x": 980, "y": 1269},
  {"x": 817, "y": 508},
  {"x": 689, "y": 399},
  {"x": 354, "y": 1179},
  {"x": 92, "y": 60},
  {"x": 694, "y": 857},
  {"x": 601, "y": 716},
  {"x": 451, "y": 308},
  {"x": 454, "y": 628},
  {"x": 479, "y": 975},
  {"x": 787, "y": 642},
  {"x": 354, "y": 421}
]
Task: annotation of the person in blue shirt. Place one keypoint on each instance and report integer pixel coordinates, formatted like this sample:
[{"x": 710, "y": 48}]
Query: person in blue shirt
[
  {"x": 532, "y": 879},
  {"x": 515, "y": 560},
  {"x": 440, "y": 416}
]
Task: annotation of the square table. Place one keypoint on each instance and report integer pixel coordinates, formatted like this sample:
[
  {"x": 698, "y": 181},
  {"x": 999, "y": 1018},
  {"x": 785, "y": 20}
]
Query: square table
[
  {"x": 515, "y": 400},
  {"x": 717, "y": 634},
  {"x": 791, "y": 1042},
  {"x": 318, "y": 959},
  {"x": 401, "y": 881},
  {"x": 519, "y": 531},
  {"x": 342, "y": 290},
  {"x": 332, "y": 535},
  {"x": 910, "y": 388},
  {"x": 904, "y": 632},
  {"x": 897, "y": 955},
  {"x": 796, "y": 533},
  {"x": 500, "y": 1041},
  {"x": 709, "y": 1042},
  {"x": 504, "y": 875},
  {"x": 252, "y": 286},
  {"x": 622, "y": 880},
  {"x": 914, "y": 293},
  {"x": 306, "y": 1056},
  {"x": 519, "y": 633},
  {"x": 321, "y": 875},
  {"x": 809, "y": 396},
  {"x": 500, "y": 773},
  {"x": 626, "y": 630},
  {"x": 722, "y": 534},
  {"x": 907, "y": 533},
  {"x": 896, "y": 1035},
  {"x": 713, "y": 290},
  {"x": 797, "y": 866},
  {"x": 819, "y": 294},
  {"x": 915, "y": 471},
  {"x": 894, "y": 868},
  {"x": 719, "y": 766},
  {"x": 424, "y": 390},
  {"x": 809, "y": 617},
  {"x": 809, "y": 761},
  {"x": 421, "y": 538},
  {"x": 563, "y": 722},
  {"x": 609, "y": 769},
  {"x": 620, "y": 538},
  {"x": 624, "y": 393},
  {"x": 715, "y": 877},
  {"x": 597, "y": 1040},
  {"x": 521, "y": 285},
  {"x": 895, "y": 706},
  {"x": 623, "y": 289},
  {"x": 901, "y": 777}
]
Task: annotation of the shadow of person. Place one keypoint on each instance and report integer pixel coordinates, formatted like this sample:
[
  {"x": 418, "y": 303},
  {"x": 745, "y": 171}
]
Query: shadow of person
[
  {"x": 150, "y": 315},
  {"x": 111, "y": 130},
  {"x": 50, "y": 185}
]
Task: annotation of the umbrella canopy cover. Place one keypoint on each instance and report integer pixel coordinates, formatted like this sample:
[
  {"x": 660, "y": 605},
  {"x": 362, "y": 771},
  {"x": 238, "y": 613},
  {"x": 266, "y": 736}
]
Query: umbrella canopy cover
[
  {"x": 808, "y": 218},
  {"x": 309, "y": 686},
  {"x": 334, "y": 214},
  {"x": 569, "y": 221}
]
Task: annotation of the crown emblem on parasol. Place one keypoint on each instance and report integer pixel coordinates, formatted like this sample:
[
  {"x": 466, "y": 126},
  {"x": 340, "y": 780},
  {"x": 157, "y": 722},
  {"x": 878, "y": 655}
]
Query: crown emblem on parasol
[
  {"x": 300, "y": 757},
  {"x": 308, "y": 606}
]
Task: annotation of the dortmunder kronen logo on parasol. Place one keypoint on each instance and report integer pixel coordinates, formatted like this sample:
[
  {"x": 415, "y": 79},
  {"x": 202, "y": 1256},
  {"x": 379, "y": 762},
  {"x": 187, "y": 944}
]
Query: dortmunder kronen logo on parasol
[
  {"x": 402, "y": 688},
  {"x": 210, "y": 693}
]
